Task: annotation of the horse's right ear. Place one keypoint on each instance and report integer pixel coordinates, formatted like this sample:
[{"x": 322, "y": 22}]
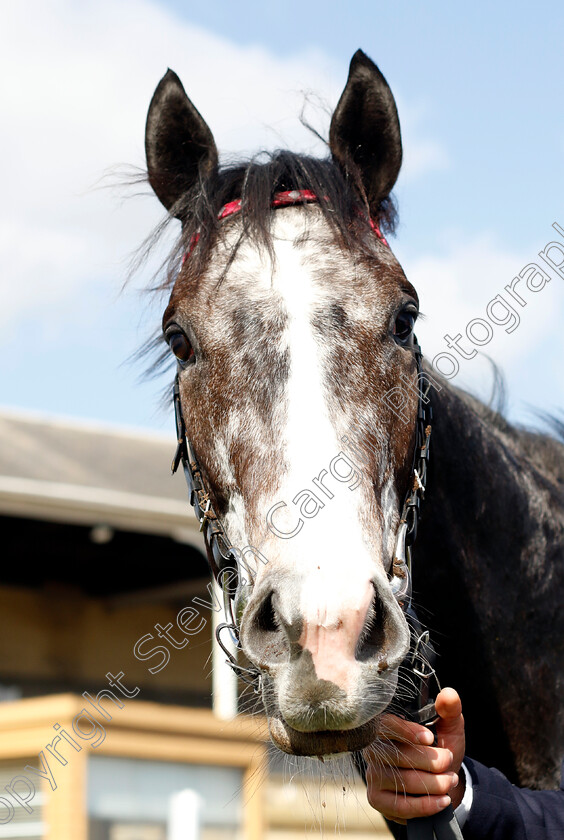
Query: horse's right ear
[{"x": 178, "y": 143}]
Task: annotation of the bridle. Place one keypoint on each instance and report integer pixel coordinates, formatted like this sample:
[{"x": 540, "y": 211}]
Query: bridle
[{"x": 224, "y": 558}]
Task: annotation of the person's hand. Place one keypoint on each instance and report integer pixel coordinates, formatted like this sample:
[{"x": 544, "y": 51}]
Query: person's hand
[{"x": 407, "y": 776}]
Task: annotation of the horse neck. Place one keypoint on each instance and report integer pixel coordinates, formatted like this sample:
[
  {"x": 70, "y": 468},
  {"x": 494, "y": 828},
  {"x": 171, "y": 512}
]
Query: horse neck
[
  {"x": 493, "y": 488},
  {"x": 486, "y": 567}
]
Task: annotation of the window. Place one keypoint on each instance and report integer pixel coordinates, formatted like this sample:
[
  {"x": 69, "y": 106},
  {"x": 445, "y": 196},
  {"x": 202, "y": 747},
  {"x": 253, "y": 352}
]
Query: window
[
  {"x": 16, "y": 821},
  {"x": 131, "y": 799}
]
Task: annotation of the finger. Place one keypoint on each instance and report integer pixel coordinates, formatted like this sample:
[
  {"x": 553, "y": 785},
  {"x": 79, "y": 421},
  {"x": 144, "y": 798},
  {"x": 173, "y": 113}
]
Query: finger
[
  {"x": 399, "y": 729},
  {"x": 412, "y": 781},
  {"x": 448, "y": 704},
  {"x": 431, "y": 759},
  {"x": 396, "y": 806},
  {"x": 450, "y": 726}
]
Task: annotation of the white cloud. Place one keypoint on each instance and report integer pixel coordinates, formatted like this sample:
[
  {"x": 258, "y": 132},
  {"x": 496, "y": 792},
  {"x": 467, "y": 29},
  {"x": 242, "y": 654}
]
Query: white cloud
[{"x": 81, "y": 77}]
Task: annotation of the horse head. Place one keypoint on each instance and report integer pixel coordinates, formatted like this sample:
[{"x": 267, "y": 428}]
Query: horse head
[{"x": 291, "y": 320}]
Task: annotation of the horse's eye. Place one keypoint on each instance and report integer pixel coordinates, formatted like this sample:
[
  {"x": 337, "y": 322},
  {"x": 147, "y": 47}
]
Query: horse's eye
[
  {"x": 181, "y": 347},
  {"x": 404, "y": 324}
]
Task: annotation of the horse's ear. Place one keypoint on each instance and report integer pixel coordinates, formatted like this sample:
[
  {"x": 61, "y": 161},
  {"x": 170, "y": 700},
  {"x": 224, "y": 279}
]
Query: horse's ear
[
  {"x": 178, "y": 143},
  {"x": 365, "y": 130}
]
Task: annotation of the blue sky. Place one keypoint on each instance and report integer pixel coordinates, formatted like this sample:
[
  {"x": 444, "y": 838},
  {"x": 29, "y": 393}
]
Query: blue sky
[{"x": 479, "y": 89}]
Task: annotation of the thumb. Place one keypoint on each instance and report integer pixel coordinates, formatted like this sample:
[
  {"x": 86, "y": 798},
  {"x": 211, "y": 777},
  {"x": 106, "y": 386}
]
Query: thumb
[
  {"x": 448, "y": 705},
  {"x": 450, "y": 726}
]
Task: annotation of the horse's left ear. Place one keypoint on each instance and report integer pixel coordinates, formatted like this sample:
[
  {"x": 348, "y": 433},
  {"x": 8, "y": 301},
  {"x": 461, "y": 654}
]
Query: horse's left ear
[
  {"x": 365, "y": 130},
  {"x": 179, "y": 145}
]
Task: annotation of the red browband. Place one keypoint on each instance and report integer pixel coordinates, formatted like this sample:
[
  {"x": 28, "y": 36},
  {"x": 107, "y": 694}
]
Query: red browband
[{"x": 281, "y": 199}]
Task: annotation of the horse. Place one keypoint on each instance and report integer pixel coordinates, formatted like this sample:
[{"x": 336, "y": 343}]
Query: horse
[{"x": 291, "y": 320}]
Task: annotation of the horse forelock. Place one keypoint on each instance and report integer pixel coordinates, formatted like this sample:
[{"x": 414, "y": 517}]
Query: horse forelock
[{"x": 254, "y": 183}]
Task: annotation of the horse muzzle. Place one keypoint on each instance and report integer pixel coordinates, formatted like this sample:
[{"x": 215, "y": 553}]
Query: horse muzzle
[{"x": 326, "y": 674}]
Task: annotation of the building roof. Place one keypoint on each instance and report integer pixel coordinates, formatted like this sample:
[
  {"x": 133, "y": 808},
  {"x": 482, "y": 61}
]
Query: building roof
[{"x": 81, "y": 472}]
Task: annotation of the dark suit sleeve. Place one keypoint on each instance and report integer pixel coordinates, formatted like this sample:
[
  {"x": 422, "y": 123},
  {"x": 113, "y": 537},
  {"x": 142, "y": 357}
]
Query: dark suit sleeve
[{"x": 501, "y": 811}]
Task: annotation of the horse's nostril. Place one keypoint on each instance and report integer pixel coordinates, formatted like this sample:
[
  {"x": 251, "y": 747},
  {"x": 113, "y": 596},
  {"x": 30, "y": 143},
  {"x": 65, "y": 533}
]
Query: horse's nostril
[
  {"x": 264, "y": 638},
  {"x": 374, "y": 639},
  {"x": 266, "y": 617}
]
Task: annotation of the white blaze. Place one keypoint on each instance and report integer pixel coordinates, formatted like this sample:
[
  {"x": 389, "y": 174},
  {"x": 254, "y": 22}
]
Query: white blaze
[{"x": 329, "y": 549}]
